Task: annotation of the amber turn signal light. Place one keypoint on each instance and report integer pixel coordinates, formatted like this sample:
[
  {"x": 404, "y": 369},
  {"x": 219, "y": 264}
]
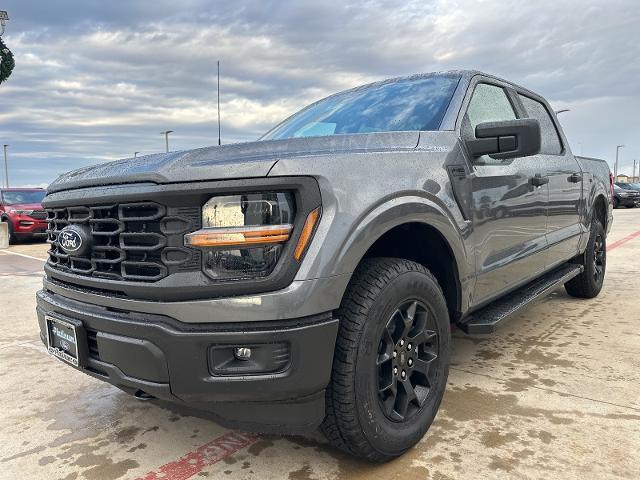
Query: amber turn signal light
[
  {"x": 307, "y": 232},
  {"x": 238, "y": 236}
]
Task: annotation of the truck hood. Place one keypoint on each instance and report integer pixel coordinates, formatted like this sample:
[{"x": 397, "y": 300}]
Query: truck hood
[{"x": 241, "y": 160}]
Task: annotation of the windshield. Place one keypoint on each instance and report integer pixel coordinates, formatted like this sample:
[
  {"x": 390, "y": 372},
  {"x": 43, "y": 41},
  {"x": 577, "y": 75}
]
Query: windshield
[
  {"x": 16, "y": 197},
  {"x": 410, "y": 104},
  {"x": 628, "y": 186}
]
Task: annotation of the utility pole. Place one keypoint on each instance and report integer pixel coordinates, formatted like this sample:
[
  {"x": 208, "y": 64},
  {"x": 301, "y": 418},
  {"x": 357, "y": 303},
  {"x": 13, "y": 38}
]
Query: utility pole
[
  {"x": 135, "y": 154},
  {"x": 634, "y": 172},
  {"x": 166, "y": 138},
  {"x": 615, "y": 168},
  {"x": 219, "y": 136},
  {"x": 6, "y": 167}
]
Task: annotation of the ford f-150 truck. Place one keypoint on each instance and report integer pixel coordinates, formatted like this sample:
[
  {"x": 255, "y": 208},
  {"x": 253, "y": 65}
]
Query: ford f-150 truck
[
  {"x": 312, "y": 277},
  {"x": 20, "y": 208}
]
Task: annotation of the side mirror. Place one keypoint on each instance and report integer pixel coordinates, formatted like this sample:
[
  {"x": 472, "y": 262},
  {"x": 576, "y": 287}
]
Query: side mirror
[{"x": 507, "y": 139}]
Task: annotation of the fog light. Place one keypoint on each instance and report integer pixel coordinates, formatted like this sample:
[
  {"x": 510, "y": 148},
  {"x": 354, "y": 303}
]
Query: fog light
[
  {"x": 251, "y": 359},
  {"x": 242, "y": 353}
]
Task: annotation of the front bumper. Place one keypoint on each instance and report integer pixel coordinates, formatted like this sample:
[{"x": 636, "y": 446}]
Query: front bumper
[
  {"x": 25, "y": 227},
  {"x": 170, "y": 360},
  {"x": 629, "y": 201}
]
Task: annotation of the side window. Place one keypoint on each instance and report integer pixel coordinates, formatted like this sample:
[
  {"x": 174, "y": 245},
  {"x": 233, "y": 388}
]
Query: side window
[
  {"x": 489, "y": 103},
  {"x": 551, "y": 144}
]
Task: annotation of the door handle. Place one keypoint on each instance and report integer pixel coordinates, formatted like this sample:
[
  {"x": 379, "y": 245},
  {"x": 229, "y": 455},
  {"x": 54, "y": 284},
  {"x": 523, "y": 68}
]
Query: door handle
[
  {"x": 538, "y": 180},
  {"x": 575, "y": 178}
]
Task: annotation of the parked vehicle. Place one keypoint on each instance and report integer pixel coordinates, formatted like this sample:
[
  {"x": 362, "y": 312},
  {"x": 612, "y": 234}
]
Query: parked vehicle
[
  {"x": 625, "y": 196},
  {"x": 20, "y": 208},
  {"x": 311, "y": 277}
]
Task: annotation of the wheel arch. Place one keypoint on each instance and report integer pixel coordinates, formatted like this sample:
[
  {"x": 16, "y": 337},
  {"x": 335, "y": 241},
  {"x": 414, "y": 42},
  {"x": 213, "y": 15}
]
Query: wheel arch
[
  {"x": 423, "y": 244},
  {"x": 416, "y": 229},
  {"x": 599, "y": 210}
]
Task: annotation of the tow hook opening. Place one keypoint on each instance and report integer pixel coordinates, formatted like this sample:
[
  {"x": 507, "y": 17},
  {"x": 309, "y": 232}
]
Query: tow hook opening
[{"x": 143, "y": 396}]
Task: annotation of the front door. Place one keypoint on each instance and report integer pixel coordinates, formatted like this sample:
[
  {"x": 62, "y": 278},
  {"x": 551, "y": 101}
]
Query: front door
[{"x": 509, "y": 207}]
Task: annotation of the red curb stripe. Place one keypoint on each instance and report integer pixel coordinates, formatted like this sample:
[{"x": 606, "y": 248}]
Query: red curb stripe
[
  {"x": 194, "y": 462},
  {"x": 623, "y": 241}
]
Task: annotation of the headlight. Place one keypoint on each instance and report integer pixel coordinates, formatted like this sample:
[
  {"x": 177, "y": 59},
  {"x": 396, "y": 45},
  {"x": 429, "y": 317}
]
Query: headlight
[
  {"x": 243, "y": 236},
  {"x": 22, "y": 212}
]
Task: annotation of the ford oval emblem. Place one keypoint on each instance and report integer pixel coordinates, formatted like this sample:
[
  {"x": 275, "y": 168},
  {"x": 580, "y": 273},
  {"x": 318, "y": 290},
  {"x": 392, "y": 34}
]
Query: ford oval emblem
[{"x": 73, "y": 240}]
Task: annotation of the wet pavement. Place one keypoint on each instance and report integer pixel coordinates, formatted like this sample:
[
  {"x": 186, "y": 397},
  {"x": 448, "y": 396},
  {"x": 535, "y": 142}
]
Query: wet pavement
[{"x": 554, "y": 394}]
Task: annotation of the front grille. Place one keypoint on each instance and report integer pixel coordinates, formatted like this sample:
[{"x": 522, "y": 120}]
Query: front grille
[
  {"x": 139, "y": 241},
  {"x": 38, "y": 215}
]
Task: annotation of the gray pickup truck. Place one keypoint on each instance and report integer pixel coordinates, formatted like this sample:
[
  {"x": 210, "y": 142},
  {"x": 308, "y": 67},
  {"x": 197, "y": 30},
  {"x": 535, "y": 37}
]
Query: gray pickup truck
[{"x": 312, "y": 277}]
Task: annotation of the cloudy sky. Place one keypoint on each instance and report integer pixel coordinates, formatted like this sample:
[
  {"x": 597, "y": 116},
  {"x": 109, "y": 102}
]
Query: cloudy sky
[{"x": 97, "y": 80}]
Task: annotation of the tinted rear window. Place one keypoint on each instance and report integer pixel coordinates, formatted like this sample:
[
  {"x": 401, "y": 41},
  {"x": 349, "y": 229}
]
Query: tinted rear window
[{"x": 551, "y": 144}]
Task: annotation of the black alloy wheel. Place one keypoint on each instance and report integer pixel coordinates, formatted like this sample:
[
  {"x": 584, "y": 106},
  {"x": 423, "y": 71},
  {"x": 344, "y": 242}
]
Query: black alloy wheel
[
  {"x": 598, "y": 258},
  {"x": 406, "y": 362}
]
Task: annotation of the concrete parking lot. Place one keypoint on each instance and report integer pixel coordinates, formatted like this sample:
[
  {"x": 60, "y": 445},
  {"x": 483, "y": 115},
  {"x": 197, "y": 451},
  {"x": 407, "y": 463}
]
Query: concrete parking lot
[{"x": 554, "y": 394}]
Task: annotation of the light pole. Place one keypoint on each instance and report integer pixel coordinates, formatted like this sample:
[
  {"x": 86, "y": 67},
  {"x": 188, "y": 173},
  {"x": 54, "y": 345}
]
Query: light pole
[
  {"x": 219, "y": 136},
  {"x": 166, "y": 138},
  {"x": 615, "y": 168},
  {"x": 135, "y": 154},
  {"x": 6, "y": 167},
  {"x": 634, "y": 172},
  {"x": 558, "y": 112}
]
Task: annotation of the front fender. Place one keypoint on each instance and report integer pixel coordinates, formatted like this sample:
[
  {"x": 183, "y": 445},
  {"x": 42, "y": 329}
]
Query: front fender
[
  {"x": 391, "y": 213},
  {"x": 396, "y": 212}
]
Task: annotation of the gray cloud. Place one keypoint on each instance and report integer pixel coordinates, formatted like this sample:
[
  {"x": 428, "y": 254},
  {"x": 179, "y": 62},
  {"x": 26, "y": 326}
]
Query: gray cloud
[{"x": 98, "y": 80}]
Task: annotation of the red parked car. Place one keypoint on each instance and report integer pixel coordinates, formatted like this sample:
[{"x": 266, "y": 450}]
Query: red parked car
[{"x": 21, "y": 209}]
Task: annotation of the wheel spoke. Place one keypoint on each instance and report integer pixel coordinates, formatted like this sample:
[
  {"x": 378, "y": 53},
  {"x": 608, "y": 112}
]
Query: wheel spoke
[
  {"x": 424, "y": 336},
  {"x": 391, "y": 387},
  {"x": 389, "y": 402},
  {"x": 392, "y": 326},
  {"x": 408, "y": 318},
  {"x": 405, "y": 397},
  {"x": 423, "y": 365},
  {"x": 387, "y": 341},
  {"x": 382, "y": 358},
  {"x": 598, "y": 272}
]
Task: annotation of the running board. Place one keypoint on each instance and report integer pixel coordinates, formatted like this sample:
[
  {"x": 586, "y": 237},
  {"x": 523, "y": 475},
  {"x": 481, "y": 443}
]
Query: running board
[{"x": 487, "y": 319}]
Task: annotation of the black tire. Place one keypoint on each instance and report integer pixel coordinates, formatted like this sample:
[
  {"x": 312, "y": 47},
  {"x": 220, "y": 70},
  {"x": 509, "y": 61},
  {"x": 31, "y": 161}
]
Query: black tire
[
  {"x": 594, "y": 260},
  {"x": 630, "y": 206},
  {"x": 356, "y": 420},
  {"x": 616, "y": 202}
]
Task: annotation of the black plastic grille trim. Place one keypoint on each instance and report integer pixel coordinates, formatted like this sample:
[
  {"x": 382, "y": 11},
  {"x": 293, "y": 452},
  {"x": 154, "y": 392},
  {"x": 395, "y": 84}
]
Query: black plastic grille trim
[
  {"x": 38, "y": 215},
  {"x": 130, "y": 241}
]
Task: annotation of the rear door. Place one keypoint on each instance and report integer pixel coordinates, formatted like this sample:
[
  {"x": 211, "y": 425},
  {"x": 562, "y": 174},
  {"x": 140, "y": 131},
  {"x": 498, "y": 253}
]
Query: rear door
[
  {"x": 509, "y": 211},
  {"x": 565, "y": 184}
]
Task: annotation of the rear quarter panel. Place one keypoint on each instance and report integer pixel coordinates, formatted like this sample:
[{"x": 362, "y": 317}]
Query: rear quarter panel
[{"x": 595, "y": 183}]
